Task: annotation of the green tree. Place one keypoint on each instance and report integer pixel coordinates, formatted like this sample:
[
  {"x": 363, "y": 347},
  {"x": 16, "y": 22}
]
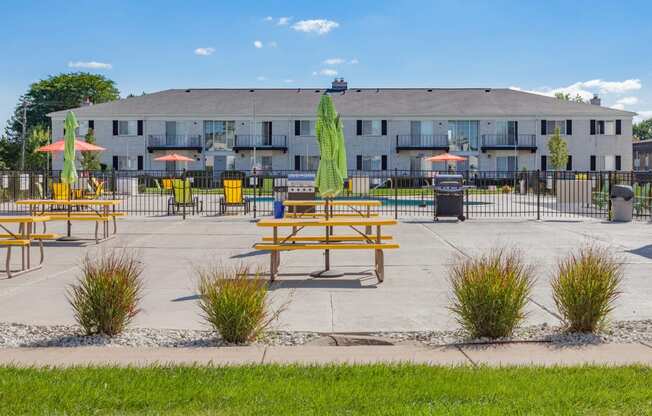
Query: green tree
[
  {"x": 567, "y": 97},
  {"x": 90, "y": 160},
  {"x": 59, "y": 92},
  {"x": 558, "y": 150},
  {"x": 643, "y": 130},
  {"x": 10, "y": 150}
]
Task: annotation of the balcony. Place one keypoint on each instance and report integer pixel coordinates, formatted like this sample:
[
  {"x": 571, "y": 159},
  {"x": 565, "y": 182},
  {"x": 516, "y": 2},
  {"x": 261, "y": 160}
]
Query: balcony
[
  {"x": 509, "y": 142},
  {"x": 421, "y": 142},
  {"x": 174, "y": 142},
  {"x": 261, "y": 142}
]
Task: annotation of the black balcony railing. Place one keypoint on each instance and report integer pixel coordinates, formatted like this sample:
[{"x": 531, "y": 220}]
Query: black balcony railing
[
  {"x": 422, "y": 141},
  {"x": 174, "y": 141},
  {"x": 249, "y": 141},
  {"x": 509, "y": 141}
]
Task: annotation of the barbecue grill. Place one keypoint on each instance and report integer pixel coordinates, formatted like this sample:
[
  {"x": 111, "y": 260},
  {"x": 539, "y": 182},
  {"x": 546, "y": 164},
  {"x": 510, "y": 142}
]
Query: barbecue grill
[{"x": 449, "y": 196}]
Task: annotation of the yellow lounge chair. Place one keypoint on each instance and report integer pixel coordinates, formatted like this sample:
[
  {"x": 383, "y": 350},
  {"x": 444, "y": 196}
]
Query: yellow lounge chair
[
  {"x": 233, "y": 196},
  {"x": 182, "y": 197},
  {"x": 60, "y": 191}
]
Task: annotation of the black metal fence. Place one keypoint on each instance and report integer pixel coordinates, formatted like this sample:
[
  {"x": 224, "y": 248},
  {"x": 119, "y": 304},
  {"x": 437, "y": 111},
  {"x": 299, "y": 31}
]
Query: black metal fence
[{"x": 404, "y": 194}]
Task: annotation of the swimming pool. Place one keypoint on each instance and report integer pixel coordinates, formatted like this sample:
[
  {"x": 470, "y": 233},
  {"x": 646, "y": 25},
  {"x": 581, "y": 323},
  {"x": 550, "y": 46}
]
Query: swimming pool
[{"x": 401, "y": 202}]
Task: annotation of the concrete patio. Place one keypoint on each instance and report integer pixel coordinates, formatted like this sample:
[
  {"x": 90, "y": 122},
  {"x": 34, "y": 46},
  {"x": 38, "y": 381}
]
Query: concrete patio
[{"x": 414, "y": 296}]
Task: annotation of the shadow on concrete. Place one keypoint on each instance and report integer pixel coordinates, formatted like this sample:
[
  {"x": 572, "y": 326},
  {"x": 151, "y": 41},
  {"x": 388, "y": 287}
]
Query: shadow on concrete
[
  {"x": 645, "y": 251},
  {"x": 185, "y": 298},
  {"x": 250, "y": 254},
  {"x": 320, "y": 284}
]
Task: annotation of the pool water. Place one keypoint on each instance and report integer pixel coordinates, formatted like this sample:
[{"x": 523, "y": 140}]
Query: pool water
[{"x": 386, "y": 201}]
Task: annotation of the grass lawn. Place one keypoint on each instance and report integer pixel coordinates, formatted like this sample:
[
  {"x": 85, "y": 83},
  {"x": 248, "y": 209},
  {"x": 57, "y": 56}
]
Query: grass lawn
[{"x": 376, "y": 390}]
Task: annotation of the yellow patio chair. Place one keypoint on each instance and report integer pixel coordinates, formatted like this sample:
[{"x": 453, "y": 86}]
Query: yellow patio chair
[
  {"x": 182, "y": 197},
  {"x": 233, "y": 196},
  {"x": 60, "y": 191},
  {"x": 167, "y": 183}
]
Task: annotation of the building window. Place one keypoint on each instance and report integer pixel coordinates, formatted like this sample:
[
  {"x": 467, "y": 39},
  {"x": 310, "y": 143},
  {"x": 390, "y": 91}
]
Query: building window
[
  {"x": 371, "y": 127},
  {"x": 306, "y": 163},
  {"x": 305, "y": 128},
  {"x": 266, "y": 163},
  {"x": 592, "y": 163},
  {"x": 127, "y": 128},
  {"x": 463, "y": 135},
  {"x": 553, "y": 125},
  {"x": 506, "y": 163},
  {"x": 609, "y": 128},
  {"x": 125, "y": 162},
  {"x": 220, "y": 135},
  {"x": 618, "y": 162},
  {"x": 544, "y": 163}
]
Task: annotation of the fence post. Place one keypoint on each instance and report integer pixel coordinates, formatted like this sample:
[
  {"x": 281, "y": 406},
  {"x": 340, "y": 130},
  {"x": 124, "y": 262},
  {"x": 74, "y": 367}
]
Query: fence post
[
  {"x": 183, "y": 189},
  {"x": 395, "y": 183},
  {"x": 609, "y": 196},
  {"x": 538, "y": 188},
  {"x": 255, "y": 178}
]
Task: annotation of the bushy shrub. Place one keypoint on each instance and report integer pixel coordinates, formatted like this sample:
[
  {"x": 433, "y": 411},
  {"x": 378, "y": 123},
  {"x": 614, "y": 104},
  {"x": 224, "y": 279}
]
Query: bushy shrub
[
  {"x": 106, "y": 296},
  {"x": 585, "y": 287},
  {"x": 490, "y": 292},
  {"x": 234, "y": 303}
]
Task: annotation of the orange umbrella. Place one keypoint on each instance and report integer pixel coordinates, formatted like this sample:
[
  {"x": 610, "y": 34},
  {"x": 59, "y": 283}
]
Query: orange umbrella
[
  {"x": 174, "y": 157},
  {"x": 446, "y": 157},
  {"x": 80, "y": 145}
]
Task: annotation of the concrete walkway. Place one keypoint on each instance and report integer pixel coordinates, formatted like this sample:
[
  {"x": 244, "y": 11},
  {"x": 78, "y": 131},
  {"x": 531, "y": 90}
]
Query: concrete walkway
[
  {"x": 414, "y": 297},
  {"x": 540, "y": 354}
]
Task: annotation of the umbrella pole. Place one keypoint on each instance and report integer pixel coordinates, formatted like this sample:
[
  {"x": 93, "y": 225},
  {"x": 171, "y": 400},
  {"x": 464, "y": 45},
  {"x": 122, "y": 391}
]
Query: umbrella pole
[{"x": 327, "y": 272}]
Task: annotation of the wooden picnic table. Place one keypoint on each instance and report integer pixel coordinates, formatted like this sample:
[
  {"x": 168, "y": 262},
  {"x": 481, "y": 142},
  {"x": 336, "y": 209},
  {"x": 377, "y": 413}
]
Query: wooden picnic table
[
  {"x": 100, "y": 212},
  {"x": 22, "y": 238},
  {"x": 360, "y": 240}
]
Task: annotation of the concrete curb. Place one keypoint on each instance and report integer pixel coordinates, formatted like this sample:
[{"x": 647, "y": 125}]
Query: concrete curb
[{"x": 538, "y": 354}]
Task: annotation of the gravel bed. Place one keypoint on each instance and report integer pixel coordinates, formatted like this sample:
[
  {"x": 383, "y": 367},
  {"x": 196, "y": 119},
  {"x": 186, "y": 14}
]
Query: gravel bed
[
  {"x": 616, "y": 332},
  {"x": 19, "y": 335}
]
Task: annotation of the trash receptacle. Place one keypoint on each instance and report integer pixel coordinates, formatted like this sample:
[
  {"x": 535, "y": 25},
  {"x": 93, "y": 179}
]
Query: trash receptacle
[
  {"x": 278, "y": 209},
  {"x": 622, "y": 202}
]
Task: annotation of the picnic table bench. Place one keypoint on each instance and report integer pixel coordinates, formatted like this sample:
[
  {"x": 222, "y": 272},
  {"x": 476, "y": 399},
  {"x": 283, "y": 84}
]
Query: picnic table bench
[
  {"x": 328, "y": 241},
  {"x": 99, "y": 212},
  {"x": 23, "y": 238}
]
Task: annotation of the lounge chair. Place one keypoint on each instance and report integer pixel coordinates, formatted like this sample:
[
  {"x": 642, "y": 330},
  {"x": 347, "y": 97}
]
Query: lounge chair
[
  {"x": 60, "y": 191},
  {"x": 182, "y": 197},
  {"x": 233, "y": 196}
]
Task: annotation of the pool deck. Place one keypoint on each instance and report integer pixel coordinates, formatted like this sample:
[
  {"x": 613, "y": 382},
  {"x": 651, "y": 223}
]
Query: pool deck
[{"x": 415, "y": 295}]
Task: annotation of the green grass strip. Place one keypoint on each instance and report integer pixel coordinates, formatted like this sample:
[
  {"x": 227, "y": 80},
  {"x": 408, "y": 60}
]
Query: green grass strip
[{"x": 334, "y": 390}]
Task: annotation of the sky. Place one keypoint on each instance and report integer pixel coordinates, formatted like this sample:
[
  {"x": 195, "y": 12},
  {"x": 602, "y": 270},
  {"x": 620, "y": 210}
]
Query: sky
[{"x": 583, "y": 47}]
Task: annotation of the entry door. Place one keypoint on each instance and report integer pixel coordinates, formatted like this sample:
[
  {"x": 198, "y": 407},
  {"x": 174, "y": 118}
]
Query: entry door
[
  {"x": 170, "y": 132},
  {"x": 415, "y": 133},
  {"x": 267, "y": 133},
  {"x": 512, "y": 132}
]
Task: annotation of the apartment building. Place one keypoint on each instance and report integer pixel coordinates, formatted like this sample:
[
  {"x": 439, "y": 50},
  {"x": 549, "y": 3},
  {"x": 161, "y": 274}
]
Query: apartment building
[{"x": 384, "y": 128}]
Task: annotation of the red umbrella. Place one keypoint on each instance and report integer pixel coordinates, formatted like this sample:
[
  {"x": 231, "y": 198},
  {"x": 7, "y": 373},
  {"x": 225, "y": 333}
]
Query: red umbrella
[
  {"x": 446, "y": 157},
  {"x": 174, "y": 157},
  {"x": 80, "y": 145}
]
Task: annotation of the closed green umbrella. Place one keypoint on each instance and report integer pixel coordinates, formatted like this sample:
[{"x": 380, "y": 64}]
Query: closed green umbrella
[
  {"x": 332, "y": 165},
  {"x": 69, "y": 174}
]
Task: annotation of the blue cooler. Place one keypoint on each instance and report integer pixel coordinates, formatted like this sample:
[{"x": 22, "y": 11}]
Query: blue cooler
[{"x": 279, "y": 209}]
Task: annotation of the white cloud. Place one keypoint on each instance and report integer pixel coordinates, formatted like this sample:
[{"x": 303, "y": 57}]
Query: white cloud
[
  {"x": 618, "y": 106},
  {"x": 642, "y": 115},
  {"x": 204, "y": 51},
  {"x": 261, "y": 78},
  {"x": 315, "y": 73},
  {"x": 586, "y": 89},
  {"x": 268, "y": 19},
  {"x": 283, "y": 21},
  {"x": 89, "y": 65},
  {"x": 272, "y": 44},
  {"x": 318, "y": 26},
  {"x": 354, "y": 61},
  {"x": 333, "y": 61},
  {"x": 330, "y": 72},
  {"x": 288, "y": 81},
  {"x": 258, "y": 44},
  {"x": 627, "y": 101}
]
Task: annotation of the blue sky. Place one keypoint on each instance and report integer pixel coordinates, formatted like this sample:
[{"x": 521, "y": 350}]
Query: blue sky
[{"x": 579, "y": 46}]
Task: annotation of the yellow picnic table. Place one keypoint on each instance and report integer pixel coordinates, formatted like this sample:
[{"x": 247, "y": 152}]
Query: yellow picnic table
[
  {"x": 352, "y": 204},
  {"x": 22, "y": 238},
  {"x": 329, "y": 241},
  {"x": 100, "y": 212}
]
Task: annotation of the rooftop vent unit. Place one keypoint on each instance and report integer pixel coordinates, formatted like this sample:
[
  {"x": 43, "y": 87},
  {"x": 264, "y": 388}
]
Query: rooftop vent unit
[
  {"x": 339, "y": 84},
  {"x": 595, "y": 100}
]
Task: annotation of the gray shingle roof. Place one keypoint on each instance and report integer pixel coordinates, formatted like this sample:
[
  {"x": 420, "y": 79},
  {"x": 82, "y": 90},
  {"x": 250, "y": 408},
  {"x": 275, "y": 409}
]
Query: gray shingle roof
[{"x": 369, "y": 102}]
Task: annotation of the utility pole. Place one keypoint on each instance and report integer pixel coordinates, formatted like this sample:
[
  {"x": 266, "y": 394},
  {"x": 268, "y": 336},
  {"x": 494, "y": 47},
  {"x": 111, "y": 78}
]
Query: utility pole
[{"x": 23, "y": 136}]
